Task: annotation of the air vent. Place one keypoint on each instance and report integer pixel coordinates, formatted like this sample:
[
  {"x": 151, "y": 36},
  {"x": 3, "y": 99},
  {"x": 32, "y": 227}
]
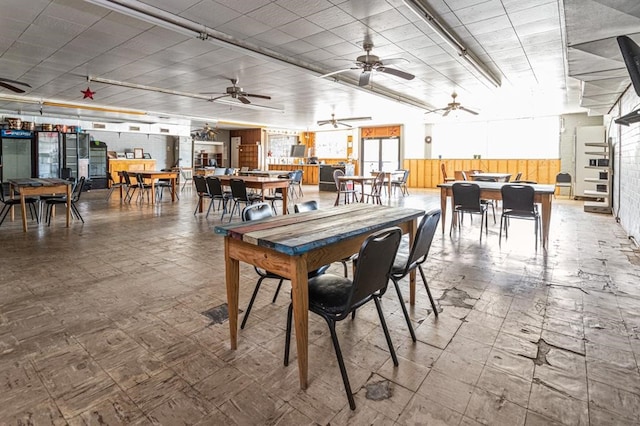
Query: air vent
[
  {"x": 134, "y": 128},
  {"x": 99, "y": 126},
  {"x": 164, "y": 130}
]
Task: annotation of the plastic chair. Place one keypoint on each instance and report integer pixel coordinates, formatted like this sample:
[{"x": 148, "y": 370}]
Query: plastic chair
[
  {"x": 259, "y": 211},
  {"x": 564, "y": 180},
  {"x": 408, "y": 259},
  {"x": 341, "y": 188},
  {"x": 466, "y": 199},
  {"x": 518, "y": 203},
  {"x": 334, "y": 297}
]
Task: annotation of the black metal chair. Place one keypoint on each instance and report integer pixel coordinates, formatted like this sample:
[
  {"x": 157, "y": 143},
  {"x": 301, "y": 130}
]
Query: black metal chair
[
  {"x": 466, "y": 199},
  {"x": 277, "y": 193},
  {"x": 564, "y": 180},
  {"x": 240, "y": 195},
  {"x": 75, "y": 197},
  {"x": 411, "y": 258},
  {"x": 202, "y": 190},
  {"x": 342, "y": 189},
  {"x": 334, "y": 297},
  {"x": 113, "y": 185},
  {"x": 401, "y": 183},
  {"x": 296, "y": 182},
  {"x": 258, "y": 211},
  {"x": 217, "y": 194},
  {"x": 143, "y": 187},
  {"x": 163, "y": 184},
  {"x": 486, "y": 201},
  {"x": 518, "y": 202},
  {"x": 131, "y": 188},
  {"x": 7, "y": 203}
]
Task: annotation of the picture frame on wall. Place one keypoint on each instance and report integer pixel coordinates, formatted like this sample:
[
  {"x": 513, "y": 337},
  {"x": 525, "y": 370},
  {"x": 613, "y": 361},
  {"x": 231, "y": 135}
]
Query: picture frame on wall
[
  {"x": 129, "y": 155},
  {"x": 147, "y": 156},
  {"x": 138, "y": 153}
]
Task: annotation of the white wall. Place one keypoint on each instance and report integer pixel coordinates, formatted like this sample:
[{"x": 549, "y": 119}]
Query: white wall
[
  {"x": 159, "y": 146},
  {"x": 626, "y": 173}
]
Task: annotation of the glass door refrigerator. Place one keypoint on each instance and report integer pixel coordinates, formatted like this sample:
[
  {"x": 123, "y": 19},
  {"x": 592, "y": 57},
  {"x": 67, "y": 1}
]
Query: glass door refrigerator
[
  {"x": 16, "y": 160},
  {"x": 98, "y": 164},
  {"x": 48, "y": 158},
  {"x": 70, "y": 157}
]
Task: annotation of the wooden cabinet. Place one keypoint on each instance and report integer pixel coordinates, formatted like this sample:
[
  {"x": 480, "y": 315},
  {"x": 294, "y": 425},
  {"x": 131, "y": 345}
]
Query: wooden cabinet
[
  {"x": 201, "y": 159},
  {"x": 248, "y": 156}
]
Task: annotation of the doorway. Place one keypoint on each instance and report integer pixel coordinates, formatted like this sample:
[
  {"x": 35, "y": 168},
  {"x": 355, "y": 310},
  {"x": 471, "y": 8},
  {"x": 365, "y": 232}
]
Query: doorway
[{"x": 380, "y": 154}]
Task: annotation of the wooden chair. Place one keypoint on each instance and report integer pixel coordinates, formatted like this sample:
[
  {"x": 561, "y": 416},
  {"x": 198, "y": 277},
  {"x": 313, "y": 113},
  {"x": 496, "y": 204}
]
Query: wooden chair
[
  {"x": 445, "y": 178},
  {"x": 342, "y": 189},
  {"x": 401, "y": 183}
]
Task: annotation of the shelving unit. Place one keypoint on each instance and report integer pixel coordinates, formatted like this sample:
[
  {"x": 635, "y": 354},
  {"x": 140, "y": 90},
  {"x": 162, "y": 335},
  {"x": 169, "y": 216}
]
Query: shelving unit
[{"x": 601, "y": 193}]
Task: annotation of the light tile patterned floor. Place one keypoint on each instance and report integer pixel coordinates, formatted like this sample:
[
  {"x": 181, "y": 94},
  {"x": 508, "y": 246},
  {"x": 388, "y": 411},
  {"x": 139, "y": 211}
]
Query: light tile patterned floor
[{"x": 103, "y": 323}]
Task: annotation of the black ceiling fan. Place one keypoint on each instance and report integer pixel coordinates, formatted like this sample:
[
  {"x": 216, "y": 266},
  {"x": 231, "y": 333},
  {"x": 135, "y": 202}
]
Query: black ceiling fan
[
  {"x": 236, "y": 92},
  {"x": 369, "y": 63},
  {"x": 12, "y": 85},
  {"x": 341, "y": 121},
  {"x": 453, "y": 106}
]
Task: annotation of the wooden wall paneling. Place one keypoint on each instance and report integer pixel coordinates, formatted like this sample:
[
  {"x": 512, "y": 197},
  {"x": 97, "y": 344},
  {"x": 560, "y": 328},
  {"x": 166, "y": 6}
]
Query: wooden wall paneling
[{"x": 422, "y": 179}]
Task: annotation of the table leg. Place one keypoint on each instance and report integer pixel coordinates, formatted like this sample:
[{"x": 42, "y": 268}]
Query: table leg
[
  {"x": 121, "y": 181},
  {"x": 285, "y": 198},
  {"x": 443, "y": 207},
  {"x": 232, "y": 276},
  {"x": 389, "y": 191},
  {"x": 300, "y": 300},
  {"x": 69, "y": 205},
  {"x": 173, "y": 189},
  {"x": 153, "y": 191},
  {"x": 24, "y": 212},
  {"x": 546, "y": 218}
]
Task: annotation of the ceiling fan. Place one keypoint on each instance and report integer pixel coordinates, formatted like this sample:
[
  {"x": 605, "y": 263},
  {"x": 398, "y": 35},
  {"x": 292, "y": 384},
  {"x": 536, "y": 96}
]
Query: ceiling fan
[
  {"x": 369, "y": 63},
  {"x": 341, "y": 121},
  {"x": 453, "y": 106},
  {"x": 236, "y": 92},
  {"x": 10, "y": 84}
]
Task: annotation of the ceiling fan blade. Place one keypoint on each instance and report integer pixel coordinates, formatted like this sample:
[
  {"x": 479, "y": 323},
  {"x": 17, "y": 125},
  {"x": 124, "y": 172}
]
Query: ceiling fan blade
[
  {"x": 396, "y": 72},
  {"x": 11, "y": 87},
  {"x": 6, "y": 80},
  {"x": 446, "y": 113},
  {"x": 468, "y": 110},
  {"x": 344, "y": 124},
  {"x": 392, "y": 61},
  {"x": 337, "y": 72},
  {"x": 244, "y": 100},
  {"x": 354, "y": 119},
  {"x": 365, "y": 78},
  {"x": 257, "y": 96},
  {"x": 217, "y": 97}
]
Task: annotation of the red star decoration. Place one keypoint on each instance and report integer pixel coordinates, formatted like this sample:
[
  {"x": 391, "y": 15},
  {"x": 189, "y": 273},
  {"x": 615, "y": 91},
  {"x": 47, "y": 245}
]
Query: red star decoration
[{"x": 87, "y": 93}]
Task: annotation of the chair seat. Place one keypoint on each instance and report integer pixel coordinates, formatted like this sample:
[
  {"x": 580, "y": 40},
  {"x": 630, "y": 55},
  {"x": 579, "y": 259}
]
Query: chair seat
[{"x": 329, "y": 292}]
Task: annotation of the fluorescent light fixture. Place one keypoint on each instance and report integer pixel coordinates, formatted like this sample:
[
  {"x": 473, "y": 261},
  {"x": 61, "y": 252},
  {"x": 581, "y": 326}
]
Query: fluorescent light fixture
[
  {"x": 180, "y": 93},
  {"x": 428, "y": 17}
]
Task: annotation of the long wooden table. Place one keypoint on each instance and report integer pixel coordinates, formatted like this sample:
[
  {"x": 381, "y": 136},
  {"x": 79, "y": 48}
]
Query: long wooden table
[
  {"x": 32, "y": 187},
  {"x": 262, "y": 183},
  {"x": 294, "y": 244},
  {"x": 153, "y": 175},
  {"x": 499, "y": 177},
  {"x": 492, "y": 191}
]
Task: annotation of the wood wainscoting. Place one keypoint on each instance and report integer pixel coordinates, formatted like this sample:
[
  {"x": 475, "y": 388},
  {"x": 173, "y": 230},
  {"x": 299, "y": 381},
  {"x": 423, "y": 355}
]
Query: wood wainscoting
[{"x": 426, "y": 173}]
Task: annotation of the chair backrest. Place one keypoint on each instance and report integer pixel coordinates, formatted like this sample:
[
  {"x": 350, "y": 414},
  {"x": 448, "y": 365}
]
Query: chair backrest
[
  {"x": 375, "y": 260},
  {"x": 464, "y": 175},
  {"x": 563, "y": 178},
  {"x": 518, "y": 197},
  {"x": 2, "y": 189},
  {"x": 405, "y": 177},
  {"x": 201, "y": 184},
  {"x": 443, "y": 168},
  {"x": 140, "y": 179},
  {"x": 215, "y": 186},
  {"x": 423, "y": 238},
  {"x": 377, "y": 184},
  {"x": 297, "y": 176},
  {"x": 229, "y": 171},
  {"x": 110, "y": 178},
  {"x": 518, "y": 176},
  {"x": 127, "y": 178},
  {"x": 336, "y": 174},
  {"x": 307, "y": 206},
  {"x": 239, "y": 189},
  {"x": 220, "y": 171},
  {"x": 257, "y": 211},
  {"x": 466, "y": 195},
  {"x": 77, "y": 190}
]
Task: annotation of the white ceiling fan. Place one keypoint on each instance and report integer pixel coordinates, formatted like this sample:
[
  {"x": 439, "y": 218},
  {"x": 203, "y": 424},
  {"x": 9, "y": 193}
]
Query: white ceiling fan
[
  {"x": 341, "y": 121},
  {"x": 453, "y": 106}
]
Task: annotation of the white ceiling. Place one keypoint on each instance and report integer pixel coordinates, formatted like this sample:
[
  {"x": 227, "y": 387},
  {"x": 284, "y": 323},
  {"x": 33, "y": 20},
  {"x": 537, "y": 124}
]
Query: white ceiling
[{"x": 279, "y": 48}]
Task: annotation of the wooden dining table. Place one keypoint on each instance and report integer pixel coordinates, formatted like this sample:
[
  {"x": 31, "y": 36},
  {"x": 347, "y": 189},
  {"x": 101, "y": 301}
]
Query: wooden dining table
[
  {"x": 153, "y": 175},
  {"x": 543, "y": 194},
  {"x": 33, "y": 187},
  {"x": 499, "y": 177},
  {"x": 262, "y": 183},
  {"x": 294, "y": 244}
]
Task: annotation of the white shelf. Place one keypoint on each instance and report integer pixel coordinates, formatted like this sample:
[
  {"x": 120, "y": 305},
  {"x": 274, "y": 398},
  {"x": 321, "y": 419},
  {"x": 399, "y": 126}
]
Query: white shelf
[
  {"x": 592, "y": 193},
  {"x": 603, "y": 153},
  {"x": 596, "y": 180},
  {"x": 599, "y": 144},
  {"x": 597, "y": 167}
]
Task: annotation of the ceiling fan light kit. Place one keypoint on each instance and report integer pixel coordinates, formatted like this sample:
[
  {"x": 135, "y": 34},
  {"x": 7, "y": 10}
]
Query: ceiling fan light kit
[
  {"x": 453, "y": 106},
  {"x": 341, "y": 121}
]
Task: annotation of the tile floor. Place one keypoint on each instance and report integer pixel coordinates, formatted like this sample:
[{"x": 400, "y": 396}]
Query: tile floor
[{"x": 103, "y": 323}]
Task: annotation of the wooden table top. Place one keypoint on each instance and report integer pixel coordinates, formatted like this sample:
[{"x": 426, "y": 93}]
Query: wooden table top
[
  {"x": 35, "y": 182},
  {"x": 496, "y": 186},
  {"x": 255, "y": 179},
  {"x": 303, "y": 232}
]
